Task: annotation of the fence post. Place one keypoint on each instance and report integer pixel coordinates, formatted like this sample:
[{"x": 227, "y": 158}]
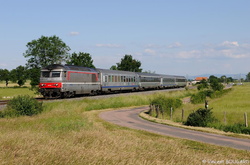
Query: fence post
[
  {"x": 150, "y": 109},
  {"x": 171, "y": 113},
  {"x": 182, "y": 115},
  {"x": 245, "y": 116},
  {"x": 157, "y": 111}
]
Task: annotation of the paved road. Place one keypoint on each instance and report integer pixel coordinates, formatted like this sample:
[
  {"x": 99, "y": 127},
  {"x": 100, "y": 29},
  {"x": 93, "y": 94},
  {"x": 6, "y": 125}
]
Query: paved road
[{"x": 130, "y": 118}]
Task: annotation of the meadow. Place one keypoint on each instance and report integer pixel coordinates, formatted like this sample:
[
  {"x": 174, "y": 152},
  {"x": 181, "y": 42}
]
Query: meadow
[
  {"x": 229, "y": 109},
  {"x": 13, "y": 90},
  {"x": 71, "y": 132}
]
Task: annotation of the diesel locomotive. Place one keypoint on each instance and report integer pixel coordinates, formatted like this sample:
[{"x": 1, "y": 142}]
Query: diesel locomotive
[{"x": 59, "y": 81}]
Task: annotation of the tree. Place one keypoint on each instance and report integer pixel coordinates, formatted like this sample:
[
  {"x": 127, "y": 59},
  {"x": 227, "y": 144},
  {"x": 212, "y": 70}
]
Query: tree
[
  {"x": 43, "y": 52},
  {"x": 80, "y": 59},
  {"x": 34, "y": 76},
  {"x": 5, "y": 76},
  {"x": 113, "y": 67},
  {"x": 46, "y": 51},
  {"x": 223, "y": 79},
  {"x": 19, "y": 75},
  {"x": 212, "y": 78},
  {"x": 129, "y": 64},
  {"x": 216, "y": 85},
  {"x": 248, "y": 77},
  {"x": 203, "y": 84},
  {"x": 230, "y": 79}
]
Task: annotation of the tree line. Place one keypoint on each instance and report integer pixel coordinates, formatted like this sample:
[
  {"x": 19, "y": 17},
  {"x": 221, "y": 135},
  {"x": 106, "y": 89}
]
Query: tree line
[{"x": 52, "y": 50}]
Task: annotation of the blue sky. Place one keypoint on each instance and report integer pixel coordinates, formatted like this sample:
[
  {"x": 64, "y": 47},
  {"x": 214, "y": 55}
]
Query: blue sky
[{"x": 181, "y": 37}]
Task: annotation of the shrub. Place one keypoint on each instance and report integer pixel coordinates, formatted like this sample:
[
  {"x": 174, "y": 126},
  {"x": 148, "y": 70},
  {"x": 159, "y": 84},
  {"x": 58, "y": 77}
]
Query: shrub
[
  {"x": 166, "y": 103},
  {"x": 198, "y": 97},
  {"x": 217, "y": 94},
  {"x": 216, "y": 86},
  {"x": 23, "y": 105},
  {"x": 236, "y": 128},
  {"x": 200, "y": 118}
]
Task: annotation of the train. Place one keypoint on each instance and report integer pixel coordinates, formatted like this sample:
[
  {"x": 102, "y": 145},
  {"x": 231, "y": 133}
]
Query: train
[{"x": 62, "y": 81}]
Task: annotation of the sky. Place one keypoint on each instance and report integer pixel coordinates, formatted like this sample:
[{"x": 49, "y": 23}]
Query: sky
[{"x": 178, "y": 37}]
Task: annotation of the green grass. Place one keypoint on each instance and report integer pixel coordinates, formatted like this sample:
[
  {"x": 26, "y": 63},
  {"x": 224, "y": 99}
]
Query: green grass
[
  {"x": 234, "y": 104},
  {"x": 69, "y": 132},
  {"x": 10, "y": 92},
  {"x": 7, "y": 93},
  {"x": 11, "y": 84}
]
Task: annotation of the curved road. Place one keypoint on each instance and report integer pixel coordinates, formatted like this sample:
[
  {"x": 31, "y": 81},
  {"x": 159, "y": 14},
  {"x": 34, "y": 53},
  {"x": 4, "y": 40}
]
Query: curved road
[{"x": 130, "y": 118}]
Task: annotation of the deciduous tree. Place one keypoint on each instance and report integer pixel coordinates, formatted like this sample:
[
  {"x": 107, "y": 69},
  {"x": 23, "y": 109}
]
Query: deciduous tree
[
  {"x": 43, "y": 52},
  {"x": 19, "y": 75},
  {"x": 5, "y": 76},
  {"x": 80, "y": 59},
  {"x": 46, "y": 51},
  {"x": 248, "y": 77},
  {"x": 129, "y": 64}
]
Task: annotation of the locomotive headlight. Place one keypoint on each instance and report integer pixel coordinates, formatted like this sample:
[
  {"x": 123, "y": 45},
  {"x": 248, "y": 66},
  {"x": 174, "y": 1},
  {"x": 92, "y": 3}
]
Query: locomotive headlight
[
  {"x": 56, "y": 84},
  {"x": 43, "y": 85}
]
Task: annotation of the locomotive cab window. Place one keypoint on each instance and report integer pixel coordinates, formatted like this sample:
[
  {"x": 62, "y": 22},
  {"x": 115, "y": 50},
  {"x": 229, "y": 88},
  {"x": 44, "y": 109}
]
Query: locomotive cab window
[
  {"x": 45, "y": 74},
  {"x": 55, "y": 74}
]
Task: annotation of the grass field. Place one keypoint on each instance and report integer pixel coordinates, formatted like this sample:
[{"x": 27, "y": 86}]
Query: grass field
[
  {"x": 13, "y": 90},
  {"x": 234, "y": 104},
  {"x": 70, "y": 132},
  {"x": 11, "y": 84}
]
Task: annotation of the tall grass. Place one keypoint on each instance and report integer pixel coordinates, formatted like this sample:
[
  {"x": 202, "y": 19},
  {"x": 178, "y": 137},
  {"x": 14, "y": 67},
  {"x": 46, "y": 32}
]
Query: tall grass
[
  {"x": 234, "y": 104},
  {"x": 68, "y": 132}
]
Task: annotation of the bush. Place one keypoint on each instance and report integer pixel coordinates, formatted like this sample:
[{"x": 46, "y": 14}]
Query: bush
[
  {"x": 166, "y": 103},
  {"x": 200, "y": 118},
  {"x": 23, "y": 105},
  {"x": 218, "y": 94},
  {"x": 198, "y": 97},
  {"x": 236, "y": 128}
]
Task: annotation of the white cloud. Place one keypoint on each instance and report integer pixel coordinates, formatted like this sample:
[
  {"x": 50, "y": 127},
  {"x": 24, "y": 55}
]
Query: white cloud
[
  {"x": 150, "y": 51},
  {"x": 175, "y": 45},
  {"x": 74, "y": 33},
  {"x": 108, "y": 45},
  {"x": 189, "y": 54},
  {"x": 230, "y": 44}
]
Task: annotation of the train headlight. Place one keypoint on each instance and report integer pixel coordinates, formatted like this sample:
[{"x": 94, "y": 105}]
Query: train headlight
[{"x": 56, "y": 84}]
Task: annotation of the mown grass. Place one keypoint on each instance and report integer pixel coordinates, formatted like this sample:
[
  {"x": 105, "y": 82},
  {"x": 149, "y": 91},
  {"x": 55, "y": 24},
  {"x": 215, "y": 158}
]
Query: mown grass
[
  {"x": 11, "y": 84},
  {"x": 13, "y": 90},
  {"x": 7, "y": 93},
  {"x": 70, "y": 132}
]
